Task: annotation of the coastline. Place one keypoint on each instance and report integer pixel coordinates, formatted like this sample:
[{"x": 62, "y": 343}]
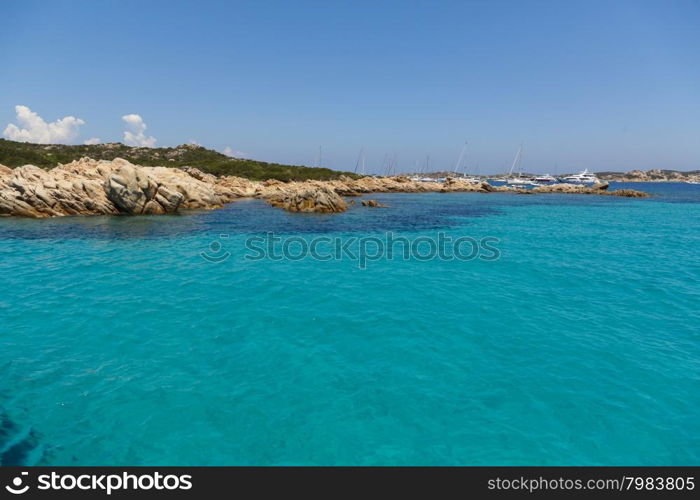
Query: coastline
[{"x": 118, "y": 187}]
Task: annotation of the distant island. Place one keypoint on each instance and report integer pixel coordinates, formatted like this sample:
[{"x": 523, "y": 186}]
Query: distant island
[{"x": 654, "y": 175}]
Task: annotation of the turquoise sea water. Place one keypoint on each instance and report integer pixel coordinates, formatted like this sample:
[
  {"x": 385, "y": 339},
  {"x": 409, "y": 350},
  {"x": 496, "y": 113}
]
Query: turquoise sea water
[{"x": 580, "y": 345}]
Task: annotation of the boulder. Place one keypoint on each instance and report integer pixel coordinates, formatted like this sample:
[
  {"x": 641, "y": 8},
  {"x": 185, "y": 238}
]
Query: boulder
[
  {"x": 131, "y": 189},
  {"x": 89, "y": 187},
  {"x": 629, "y": 193},
  {"x": 230, "y": 186},
  {"x": 309, "y": 199},
  {"x": 372, "y": 203},
  {"x": 453, "y": 185}
]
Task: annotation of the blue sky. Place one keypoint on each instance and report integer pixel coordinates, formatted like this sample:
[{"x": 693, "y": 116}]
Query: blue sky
[{"x": 597, "y": 84}]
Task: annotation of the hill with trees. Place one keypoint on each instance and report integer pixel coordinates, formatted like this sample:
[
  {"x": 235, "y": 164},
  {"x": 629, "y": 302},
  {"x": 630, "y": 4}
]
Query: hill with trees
[{"x": 15, "y": 154}]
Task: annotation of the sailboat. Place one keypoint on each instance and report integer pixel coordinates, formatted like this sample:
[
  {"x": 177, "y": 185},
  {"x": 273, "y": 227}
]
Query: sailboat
[
  {"x": 386, "y": 164},
  {"x": 517, "y": 164},
  {"x": 360, "y": 164},
  {"x": 458, "y": 165},
  {"x": 418, "y": 176},
  {"x": 473, "y": 178},
  {"x": 392, "y": 165},
  {"x": 424, "y": 171}
]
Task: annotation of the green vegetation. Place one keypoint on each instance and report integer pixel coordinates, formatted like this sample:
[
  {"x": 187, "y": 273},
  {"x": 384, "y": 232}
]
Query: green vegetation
[{"x": 15, "y": 154}]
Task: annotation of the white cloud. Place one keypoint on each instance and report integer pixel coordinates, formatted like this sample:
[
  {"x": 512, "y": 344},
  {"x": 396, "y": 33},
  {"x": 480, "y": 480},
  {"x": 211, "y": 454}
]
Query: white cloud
[
  {"x": 35, "y": 129},
  {"x": 135, "y": 136},
  {"x": 229, "y": 151},
  {"x": 92, "y": 140}
]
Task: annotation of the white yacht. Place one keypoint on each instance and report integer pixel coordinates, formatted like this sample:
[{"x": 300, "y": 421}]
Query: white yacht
[
  {"x": 472, "y": 180},
  {"x": 518, "y": 181},
  {"x": 545, "y": 178},
  {"x": 584, "y": 177}
]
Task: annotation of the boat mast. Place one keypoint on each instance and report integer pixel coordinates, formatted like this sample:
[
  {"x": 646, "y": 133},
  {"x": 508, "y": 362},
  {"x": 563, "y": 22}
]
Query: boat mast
[
  {"x": 359, "y": 159},
  {"x": 516, "y": 160},
  {"x": 459, "y": 160},
  {"x": 385, "y": 167}
]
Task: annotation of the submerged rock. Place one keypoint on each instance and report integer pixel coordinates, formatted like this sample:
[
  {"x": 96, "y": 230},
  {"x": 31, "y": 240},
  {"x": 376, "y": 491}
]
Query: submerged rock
[
  {"x": 629, "y": 193},
  {"x": 571, "y": 188},
  {"x": 20, "y": 445},
  {"x": 601, "y": 189},
  {"x": 372, "y": 203}
]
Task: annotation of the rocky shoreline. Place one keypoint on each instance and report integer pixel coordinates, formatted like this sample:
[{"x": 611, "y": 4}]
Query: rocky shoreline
[
  {"x": 117, "y": 187},
  {"x": 654, "y": 175}
]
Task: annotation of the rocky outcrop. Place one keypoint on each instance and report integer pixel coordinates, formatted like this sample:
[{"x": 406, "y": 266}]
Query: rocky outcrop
[
  {"x": 235, "y": 187},
  {"x": 373, "y": 203},
  {"x": 571, "y": 188},
  {"x": 32, "y": 192},
  {"x": 600, "y": 189},
  {"x": 653, "y": 175},
  {"x": 319, "y": 199},
  {"x": 628, "y": 193},
  {"x": 89, "y": 187},
  {"x": 347, "y": 186},
  {"x": 134, "y": 192},
  {"x": 462, "y": 185}
]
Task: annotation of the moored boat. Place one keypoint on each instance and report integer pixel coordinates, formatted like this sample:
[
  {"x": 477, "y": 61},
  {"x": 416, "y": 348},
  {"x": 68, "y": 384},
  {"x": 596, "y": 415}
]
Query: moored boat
[
  {"x": 544, "y": 178},
  {"x": 584, "y": 177}
]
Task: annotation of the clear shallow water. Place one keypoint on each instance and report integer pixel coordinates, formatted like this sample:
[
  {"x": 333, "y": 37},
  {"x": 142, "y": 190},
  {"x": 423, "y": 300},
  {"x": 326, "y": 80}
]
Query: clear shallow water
[{"x": 119, "y": 344}]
